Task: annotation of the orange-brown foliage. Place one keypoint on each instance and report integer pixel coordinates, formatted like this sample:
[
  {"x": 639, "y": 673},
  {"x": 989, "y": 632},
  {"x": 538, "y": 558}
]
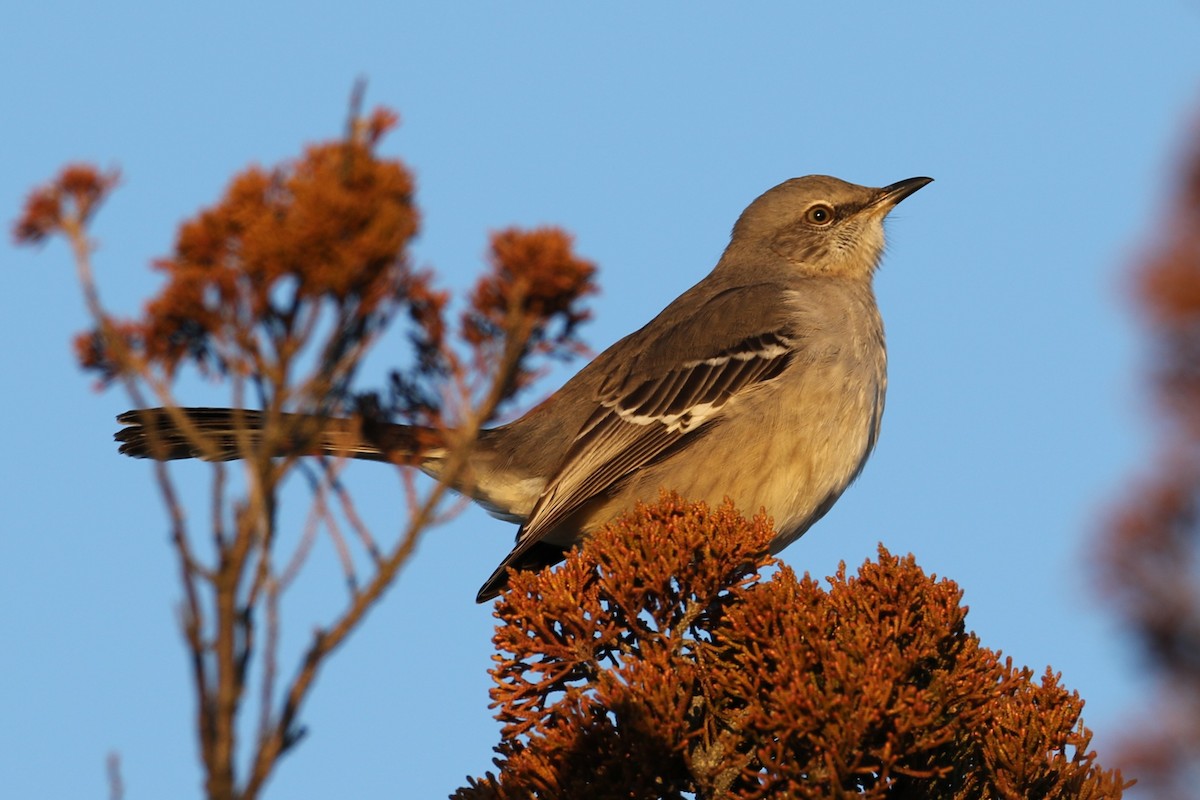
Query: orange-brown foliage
[
  {"x": 538, "y": 269},
  {"x": 1152, "y": 548},
  {"x": 332, "y": 226},
  {"x": 320, "y": 244},
  {"x": 657, "y": 663},
  {"x": 535, "y": 277},
  {"x": 281, "y": 288},
  {"x": 70, "y": 199}
]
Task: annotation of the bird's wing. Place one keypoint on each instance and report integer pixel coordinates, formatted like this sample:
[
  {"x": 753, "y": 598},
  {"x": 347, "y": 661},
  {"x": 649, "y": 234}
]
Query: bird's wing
[
  {"x": 637, "y": 424},
  {"x": 654, "y": 402}
]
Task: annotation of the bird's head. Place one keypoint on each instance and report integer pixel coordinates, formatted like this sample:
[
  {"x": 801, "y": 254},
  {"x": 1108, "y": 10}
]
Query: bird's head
[{"x": 819, "y": 225}]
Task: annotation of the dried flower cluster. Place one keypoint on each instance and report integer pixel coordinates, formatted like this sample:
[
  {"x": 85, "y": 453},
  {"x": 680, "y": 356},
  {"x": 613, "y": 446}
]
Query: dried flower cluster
[
  {"x": 320, "y": 241},
  {"x": 278, "y": 292},
  {"x": 657, "y": 663},
  {"x": 1152, "y": 549},
  {"x": 69, "y": 200},
  {"x": 536, "y": 282}
]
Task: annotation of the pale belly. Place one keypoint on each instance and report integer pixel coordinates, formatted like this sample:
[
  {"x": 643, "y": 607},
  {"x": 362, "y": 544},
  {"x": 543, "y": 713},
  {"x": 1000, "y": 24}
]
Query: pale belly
[{"x": 792, "y": 460}]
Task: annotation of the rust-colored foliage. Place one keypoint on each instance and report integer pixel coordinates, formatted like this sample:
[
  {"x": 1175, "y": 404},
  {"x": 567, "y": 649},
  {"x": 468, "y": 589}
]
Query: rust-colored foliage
[
  {"x": 321, "y": 240},
  {"x": 70, "y": 199},
  {"x": 278, "y": 292},
  {"x": 536, "y": 281},
  {"x": 535, "y": 270},
  {"x": 248, "y": 276},
  {"x": 1152, "y": 548},
  {"x": 657, "y": 663}
]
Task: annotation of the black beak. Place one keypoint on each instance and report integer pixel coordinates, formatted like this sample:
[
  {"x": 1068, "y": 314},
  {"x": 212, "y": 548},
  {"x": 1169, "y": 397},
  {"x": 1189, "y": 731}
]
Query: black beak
[{"x": 893, "y": 194}]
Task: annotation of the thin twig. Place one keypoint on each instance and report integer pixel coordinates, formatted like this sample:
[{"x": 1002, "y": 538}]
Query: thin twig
[
  {"x": 273, "y": 592},
  {"x": 329, "y": 639},
  {"x": 348, "y": 508},
  {"x": 321, "y": 508}
]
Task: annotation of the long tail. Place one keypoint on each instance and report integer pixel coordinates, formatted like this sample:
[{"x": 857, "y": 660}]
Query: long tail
[{"x": 227, "y": 434}]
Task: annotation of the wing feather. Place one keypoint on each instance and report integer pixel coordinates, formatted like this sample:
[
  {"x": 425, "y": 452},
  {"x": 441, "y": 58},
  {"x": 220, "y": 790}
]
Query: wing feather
[{"x": 634, "y": 425}]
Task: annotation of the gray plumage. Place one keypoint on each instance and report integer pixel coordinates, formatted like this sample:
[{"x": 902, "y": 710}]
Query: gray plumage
[{"x": 764, "y": 382}]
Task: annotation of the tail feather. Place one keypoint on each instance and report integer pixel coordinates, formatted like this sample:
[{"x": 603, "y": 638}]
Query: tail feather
[
  {"x": 227, "y": 434},
  {"x": 537, "y": 556}
]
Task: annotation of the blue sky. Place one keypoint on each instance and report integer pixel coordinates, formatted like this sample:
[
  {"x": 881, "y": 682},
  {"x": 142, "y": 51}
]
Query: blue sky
[{"x": 1017, "y": 409}]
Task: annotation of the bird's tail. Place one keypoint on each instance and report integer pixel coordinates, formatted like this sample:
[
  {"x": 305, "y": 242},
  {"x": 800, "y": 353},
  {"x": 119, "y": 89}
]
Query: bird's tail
[{"x": 227, "y": 434}]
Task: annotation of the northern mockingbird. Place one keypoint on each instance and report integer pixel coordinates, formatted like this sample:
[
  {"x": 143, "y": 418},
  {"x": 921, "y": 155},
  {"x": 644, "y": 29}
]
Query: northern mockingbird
[{"x": 764, "y": 383}]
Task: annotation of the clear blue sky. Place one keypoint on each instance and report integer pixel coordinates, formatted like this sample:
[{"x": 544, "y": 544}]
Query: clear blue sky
[{"x": 1017, "y": 408}]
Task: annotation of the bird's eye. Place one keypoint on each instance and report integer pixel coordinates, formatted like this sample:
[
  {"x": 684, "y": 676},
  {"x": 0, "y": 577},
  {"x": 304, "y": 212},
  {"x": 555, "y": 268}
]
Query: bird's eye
[{"x": 820, "y": 214}]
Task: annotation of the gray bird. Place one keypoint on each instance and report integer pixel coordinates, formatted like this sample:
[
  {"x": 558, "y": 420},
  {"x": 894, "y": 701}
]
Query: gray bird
[{"x": 764, "y": 383}]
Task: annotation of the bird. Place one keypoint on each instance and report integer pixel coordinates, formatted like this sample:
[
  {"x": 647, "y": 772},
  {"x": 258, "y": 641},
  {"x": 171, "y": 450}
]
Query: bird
[{"x": 764, "y": 383}]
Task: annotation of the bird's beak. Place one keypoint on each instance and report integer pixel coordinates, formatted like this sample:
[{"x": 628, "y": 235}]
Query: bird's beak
[{"x": 889, "y": 196}]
